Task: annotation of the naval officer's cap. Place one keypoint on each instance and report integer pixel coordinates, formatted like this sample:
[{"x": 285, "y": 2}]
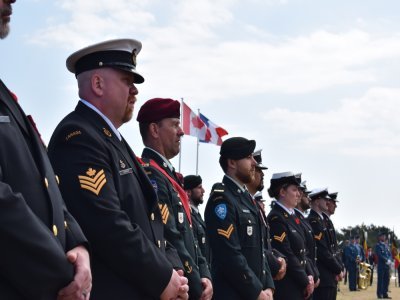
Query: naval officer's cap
[
  {"x": 333, "y": 196},
  {"x": 319, "y": 193},
  {"x": 258, "y": 159},
  {"x": 118, "y": 54},
  {"x": 237, "y": 148}
]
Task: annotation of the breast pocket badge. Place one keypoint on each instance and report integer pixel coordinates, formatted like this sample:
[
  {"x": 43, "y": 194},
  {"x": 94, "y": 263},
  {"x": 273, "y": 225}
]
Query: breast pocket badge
[
  {"x": 180, "y": 217},
  {"x": 249, "y": 230}
]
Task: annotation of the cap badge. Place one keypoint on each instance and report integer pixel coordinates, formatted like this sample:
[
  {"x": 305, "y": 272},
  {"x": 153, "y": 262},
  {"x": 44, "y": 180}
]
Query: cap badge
[
  {"x": 122, "y": 164},
  {"x": 93, "y": 183},
  {"x": 226, "y": 233},
  {"x": 220, "y": 211}
]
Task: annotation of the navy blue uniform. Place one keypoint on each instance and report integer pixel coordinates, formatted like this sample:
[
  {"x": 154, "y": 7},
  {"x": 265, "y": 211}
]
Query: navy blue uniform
[
  {"x": 384, "y": 259},
  {"x": 234, "y": 226},
  {"x": 116, "y": 205},
  {"x": 36, "y": 229}
]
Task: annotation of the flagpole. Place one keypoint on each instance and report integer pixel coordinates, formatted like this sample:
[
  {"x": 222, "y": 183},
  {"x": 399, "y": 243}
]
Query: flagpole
[
  {"x": 197, "y": 150},
  {"x": 180, "y": 152}
]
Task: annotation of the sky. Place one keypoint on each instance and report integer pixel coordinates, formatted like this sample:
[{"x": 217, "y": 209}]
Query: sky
[{"x": 315, "y": 83}]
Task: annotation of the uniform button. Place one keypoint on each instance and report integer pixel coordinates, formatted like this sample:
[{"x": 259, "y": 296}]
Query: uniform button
[
  {"x": 165, "y": 243},
  {"x": 46, "y": 182},
  {"x": 65, "y": 225},
  {"x": 152, "y": 216},
  {"x": 55, "y": 230},
  {"x": 159, "y": 243},
  {"x": 264, "y": 272},
  {"x": 249, "y": 221},
  {"x": 190, "y": 225}
]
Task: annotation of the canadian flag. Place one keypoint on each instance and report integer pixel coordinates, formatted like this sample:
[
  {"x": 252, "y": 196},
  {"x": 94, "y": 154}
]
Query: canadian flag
[
  {"x": 214, "y": 132},
  {"x": 192, "y": 124}
]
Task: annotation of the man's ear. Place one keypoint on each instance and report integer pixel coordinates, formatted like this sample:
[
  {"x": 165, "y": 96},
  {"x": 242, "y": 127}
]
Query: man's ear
[
  {"x": 97, "y": 84},
  {"x": 153, "y": 130}
]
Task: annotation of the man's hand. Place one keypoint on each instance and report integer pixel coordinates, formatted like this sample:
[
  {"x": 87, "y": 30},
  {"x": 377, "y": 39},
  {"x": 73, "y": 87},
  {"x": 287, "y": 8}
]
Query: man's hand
[
  {"x": 339, "y": 276},
  {"x": 207, "y": 289},
  {"x": 282, "y": 270},
  {"x": 80, "y": 287},
  {"x": 265, "y": 295},
  {"x": 316, "y": 284},
  {"x": 177, "y": 287},
  {"x": 310, "y": 287}
]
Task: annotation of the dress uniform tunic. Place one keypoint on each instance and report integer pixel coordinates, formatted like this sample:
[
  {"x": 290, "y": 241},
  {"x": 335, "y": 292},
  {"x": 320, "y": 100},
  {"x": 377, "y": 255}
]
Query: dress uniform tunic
[
  {"x": 327, "y": 264},
  {"x": 288, "y": 238},
  {"x": 384, "y": 259},
  {"x": 36, "y": 229},
  {"x": 178, "y": 230},
  {"x": 233, "y": 223},
  {"x": 115, "y": 203},
  {"x": 199, "y": 230}
]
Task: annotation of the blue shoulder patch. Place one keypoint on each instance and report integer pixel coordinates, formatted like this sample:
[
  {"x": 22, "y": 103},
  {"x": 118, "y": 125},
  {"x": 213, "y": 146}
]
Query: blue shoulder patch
[
  {"x": 221, "y": 210},
  {"x": 154, "y": 184}
]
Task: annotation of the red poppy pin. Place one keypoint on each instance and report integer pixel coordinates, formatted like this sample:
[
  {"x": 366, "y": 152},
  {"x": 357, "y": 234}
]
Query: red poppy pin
[{"x": 297, "y": 221}]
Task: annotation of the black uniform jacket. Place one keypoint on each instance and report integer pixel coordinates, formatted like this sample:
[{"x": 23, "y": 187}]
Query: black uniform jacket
[
  {"x": 35, "y": 228},
  {"x": 310, "y": 245},
  {"x": 236, "y": 232},
  {"x": 327, "y": 264},
  {"x": 178, "y": 230},
  {"x": 115, "y": 204},
  {"x": 333, "y": 239},
  {"x": 199, "y": 230},
  {"x": 287, "y": 238}
]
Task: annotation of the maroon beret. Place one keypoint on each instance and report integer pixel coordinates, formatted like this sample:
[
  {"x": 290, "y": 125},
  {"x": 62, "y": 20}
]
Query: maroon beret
[{"x": 156, "y": 109}]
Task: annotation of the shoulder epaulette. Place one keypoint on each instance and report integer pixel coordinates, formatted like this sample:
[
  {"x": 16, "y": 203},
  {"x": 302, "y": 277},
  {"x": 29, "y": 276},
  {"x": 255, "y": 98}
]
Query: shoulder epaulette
[{"x": 217, "y": 191}]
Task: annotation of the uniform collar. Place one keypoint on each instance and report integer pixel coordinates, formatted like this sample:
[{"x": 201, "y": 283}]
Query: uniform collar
[
  {"x": 241, "y": 187},
  {"x": 302, "y": 213},
  {"x": 166, "y": 161},
  {"x": 289, "y": 211},
  {"x": 194, "y": 208},
  {"x": 107, "y": 120}
]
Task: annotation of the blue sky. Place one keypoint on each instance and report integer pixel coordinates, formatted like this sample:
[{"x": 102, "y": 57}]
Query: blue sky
[{"x": 315, "y": 83}]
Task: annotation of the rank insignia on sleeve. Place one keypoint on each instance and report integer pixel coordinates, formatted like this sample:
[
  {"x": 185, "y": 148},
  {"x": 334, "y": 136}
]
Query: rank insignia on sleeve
[
  {"x": 220, "y": 211},
  {"x": 318, "y": 237},
  {"x": 93, "y": 182},
  {"x": 226, "y": 233},
  {"x": 280, "y": 238},
  {"x": 164, "y": 212}
]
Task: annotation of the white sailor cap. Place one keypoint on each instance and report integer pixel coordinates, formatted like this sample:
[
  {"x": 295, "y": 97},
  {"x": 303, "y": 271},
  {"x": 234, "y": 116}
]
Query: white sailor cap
[
  {"x": 258, "y": 159},
  {"x": 119, "y": 54},
  {"x": 319, "y": 193}
]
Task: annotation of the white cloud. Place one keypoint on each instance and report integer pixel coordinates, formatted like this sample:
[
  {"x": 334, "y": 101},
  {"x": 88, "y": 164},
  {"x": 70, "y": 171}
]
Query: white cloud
[{"x": 368, "y": 126}]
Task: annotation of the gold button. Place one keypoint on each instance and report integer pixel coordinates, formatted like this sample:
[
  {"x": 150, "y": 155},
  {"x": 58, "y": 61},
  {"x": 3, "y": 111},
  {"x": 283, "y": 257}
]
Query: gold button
[
  {"x": 55, "y": 230},
  {"x": 152, "y": 216},
  {"x": 65, "y": 225},
  {"x": 264, "y": 272},
  {"x": 46, "y": 182},
  {"x": 159, "y": 243},
  {"x": 57, "y": 179}
]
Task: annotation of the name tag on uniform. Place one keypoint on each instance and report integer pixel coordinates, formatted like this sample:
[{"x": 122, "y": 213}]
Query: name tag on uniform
[
  {"x": 4, "y": 119},
  {"x": 126, "y": 171},
  {"x": 246, "y": 211},
  {"x": 293, "y": 230}
]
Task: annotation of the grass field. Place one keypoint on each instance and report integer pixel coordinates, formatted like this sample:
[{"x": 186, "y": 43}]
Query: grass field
[{"x": 369, "y": 293}]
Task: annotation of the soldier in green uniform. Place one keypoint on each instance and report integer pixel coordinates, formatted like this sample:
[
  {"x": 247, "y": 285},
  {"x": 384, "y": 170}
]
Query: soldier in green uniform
[
  {"x": 159, "y": 126},
  {"x": 234, "y": 226}
]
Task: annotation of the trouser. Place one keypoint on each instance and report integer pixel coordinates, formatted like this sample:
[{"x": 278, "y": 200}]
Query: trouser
[
  {"x": 383, "y": 281},
  {"x": 352, "y": 277},
  {"x": 325, "y": 293}
]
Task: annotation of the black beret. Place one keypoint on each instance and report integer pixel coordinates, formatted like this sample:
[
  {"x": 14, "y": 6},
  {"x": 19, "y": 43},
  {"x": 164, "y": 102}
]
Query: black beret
[
  {"x": 156, "y": 109},
  {"x": 118, "y": 54},
  {"x": 237, "y": 148},
  {"x": 191, "y": 181}
]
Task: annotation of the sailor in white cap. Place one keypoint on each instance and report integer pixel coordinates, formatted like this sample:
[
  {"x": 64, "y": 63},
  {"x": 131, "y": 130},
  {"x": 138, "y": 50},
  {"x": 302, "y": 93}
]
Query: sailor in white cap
[
  {"x": 329, "y": 268},
  {"x": 104, "y": 185},
  {"x": 288, "y": 238}
]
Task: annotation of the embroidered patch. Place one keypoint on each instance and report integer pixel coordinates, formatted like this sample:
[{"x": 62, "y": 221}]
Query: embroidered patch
[
  {"x": 164, "y": 212},
  {"x": 72, "y": 134},
  {"x": 226, "y": 233},
  {"x": 318, "y": 237},
  {"x": 180, "y": 217},
  {"x": 249, "y": 230},
  {"x": 220, "y": 211},
  {"x": 154, "y": 184},
  {"x": 122, "y": 164},
  {"x": 280, "y": 238},
  {"x": 93, "y": 182}
]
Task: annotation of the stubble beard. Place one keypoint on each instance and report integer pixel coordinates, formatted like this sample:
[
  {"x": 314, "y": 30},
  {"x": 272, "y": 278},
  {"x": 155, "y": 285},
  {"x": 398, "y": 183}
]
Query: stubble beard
[{"x": 4, "y": 29}]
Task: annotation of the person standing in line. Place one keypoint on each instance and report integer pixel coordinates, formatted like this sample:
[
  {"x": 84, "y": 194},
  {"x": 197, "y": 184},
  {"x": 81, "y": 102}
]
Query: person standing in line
[
  {"x": 193, "y": 185},
  {"x": 329, "y": 269},
  {"x": 104, "y": 185},
  {"x": 44, "y": 252},
  {"x": 384, "y": 261},
  {"x": 288, "y": 238},
  {"x": 239, "y": 267},
  {"x": 161, "y": 133}
]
